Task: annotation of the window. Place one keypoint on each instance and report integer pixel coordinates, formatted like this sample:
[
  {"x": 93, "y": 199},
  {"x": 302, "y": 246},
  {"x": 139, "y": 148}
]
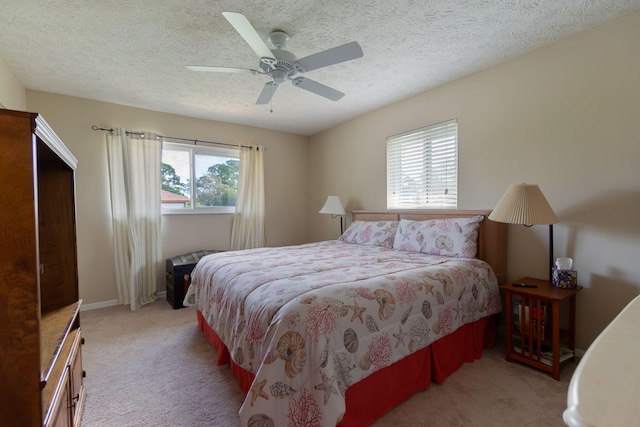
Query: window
[
  {"x": 422, "y": 168},
  {"x": 199, "y": 179}
]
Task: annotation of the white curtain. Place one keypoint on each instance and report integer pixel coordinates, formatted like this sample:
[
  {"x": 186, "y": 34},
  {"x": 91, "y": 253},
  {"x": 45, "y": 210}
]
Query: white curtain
[
  {"x": 135, "y": 181},
  {"x": 248, "y": 222}
]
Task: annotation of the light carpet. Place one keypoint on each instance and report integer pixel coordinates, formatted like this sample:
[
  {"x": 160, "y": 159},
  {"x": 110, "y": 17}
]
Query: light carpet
[{"x": 153, "y": 367}]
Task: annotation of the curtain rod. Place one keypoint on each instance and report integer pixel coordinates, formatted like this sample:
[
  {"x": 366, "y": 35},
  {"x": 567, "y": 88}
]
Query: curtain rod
[{"x": 194, "y": 141}]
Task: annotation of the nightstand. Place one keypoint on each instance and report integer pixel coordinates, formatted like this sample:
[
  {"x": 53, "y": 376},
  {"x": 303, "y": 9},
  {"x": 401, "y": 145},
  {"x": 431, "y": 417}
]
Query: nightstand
[{"x": 534, "y": 336}]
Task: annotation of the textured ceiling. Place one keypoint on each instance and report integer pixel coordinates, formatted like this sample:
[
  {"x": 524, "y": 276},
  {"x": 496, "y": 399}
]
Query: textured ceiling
[{"x": 134, "y": 52}]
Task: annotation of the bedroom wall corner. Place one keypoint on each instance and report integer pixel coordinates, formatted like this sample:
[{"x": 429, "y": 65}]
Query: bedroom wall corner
[
  {"x": 563, "y": 117},
  {"x": 13, "y": 95},
  {"x": 286, "y": 183}
]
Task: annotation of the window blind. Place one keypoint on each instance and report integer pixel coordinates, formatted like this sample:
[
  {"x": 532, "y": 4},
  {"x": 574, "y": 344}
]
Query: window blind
[{"x": 422, "y": 168}]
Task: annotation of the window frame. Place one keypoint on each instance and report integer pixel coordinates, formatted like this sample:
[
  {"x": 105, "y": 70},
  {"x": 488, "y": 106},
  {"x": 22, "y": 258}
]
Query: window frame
[
  {"x": 414, "y": 152},
  {"x": 194, "y": 150}
]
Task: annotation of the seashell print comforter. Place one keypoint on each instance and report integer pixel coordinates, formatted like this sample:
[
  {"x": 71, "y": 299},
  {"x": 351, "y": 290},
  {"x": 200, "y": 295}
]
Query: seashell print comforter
[{"x": 311, "y": 320}]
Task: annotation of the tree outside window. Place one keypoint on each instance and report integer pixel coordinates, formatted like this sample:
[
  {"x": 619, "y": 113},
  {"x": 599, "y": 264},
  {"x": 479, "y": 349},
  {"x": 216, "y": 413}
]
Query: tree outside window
[{"x": 214, "y": 172}]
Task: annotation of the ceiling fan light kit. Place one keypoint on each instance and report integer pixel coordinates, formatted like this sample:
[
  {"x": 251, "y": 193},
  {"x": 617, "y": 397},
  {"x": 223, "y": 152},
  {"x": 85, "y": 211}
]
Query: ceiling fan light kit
[
  {"x": 280, "y": 64},
  {"x": 279, "y": 39}
]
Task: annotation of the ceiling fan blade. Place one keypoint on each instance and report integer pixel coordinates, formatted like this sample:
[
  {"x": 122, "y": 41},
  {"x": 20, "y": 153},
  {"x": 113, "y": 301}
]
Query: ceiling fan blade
[
  {"x": 335, "y": 55},
  {"x": 267, "y": 93},
  {"x": 317, "y": 88},
  {"x": 249, "y": 34},
  {"x": 221, "y": 69}
]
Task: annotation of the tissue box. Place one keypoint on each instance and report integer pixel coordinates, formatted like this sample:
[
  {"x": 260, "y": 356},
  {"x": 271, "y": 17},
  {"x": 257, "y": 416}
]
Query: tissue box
[{"x": 567, "y": 279}]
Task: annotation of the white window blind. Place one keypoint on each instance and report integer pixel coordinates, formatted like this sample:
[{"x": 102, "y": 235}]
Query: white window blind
[{"x": 422, "y": 168}]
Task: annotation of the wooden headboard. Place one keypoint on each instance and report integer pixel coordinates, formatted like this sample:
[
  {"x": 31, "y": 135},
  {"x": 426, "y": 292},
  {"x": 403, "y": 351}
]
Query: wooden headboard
[{"x": 492, "y": 236}]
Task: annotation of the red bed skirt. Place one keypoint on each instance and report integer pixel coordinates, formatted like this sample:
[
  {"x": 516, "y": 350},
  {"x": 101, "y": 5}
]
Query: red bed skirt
[{"x": 385, "y": 389}]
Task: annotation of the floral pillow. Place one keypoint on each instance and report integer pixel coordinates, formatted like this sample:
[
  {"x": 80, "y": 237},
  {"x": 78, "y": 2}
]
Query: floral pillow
[
  {"x": 454, "y": 237},
  {"x": 371, "y": 233},
  {"x": 410, "y": 236}
]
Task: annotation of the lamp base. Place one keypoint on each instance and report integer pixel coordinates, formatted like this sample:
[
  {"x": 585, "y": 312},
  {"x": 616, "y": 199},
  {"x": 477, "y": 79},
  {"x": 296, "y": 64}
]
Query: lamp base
[{"x": 550, "y": 252}]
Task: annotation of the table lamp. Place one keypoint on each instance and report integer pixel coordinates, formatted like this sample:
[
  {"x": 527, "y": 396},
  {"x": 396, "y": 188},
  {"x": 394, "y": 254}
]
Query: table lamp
[
  {"x": 525, "y": 204},
  {"x": 333, "y": 206}
]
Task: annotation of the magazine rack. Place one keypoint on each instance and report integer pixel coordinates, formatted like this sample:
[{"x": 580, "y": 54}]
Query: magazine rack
[{"x": 534, "y": 336}]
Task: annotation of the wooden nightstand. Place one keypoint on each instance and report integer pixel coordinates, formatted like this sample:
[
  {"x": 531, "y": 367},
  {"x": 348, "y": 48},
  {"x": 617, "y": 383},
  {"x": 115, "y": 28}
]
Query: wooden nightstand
[{"x": 528, "y": 343}]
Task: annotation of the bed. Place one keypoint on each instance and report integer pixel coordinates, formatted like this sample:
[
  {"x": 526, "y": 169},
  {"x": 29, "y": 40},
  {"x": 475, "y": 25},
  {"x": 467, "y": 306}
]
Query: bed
[{"x": 340, "y": 332}]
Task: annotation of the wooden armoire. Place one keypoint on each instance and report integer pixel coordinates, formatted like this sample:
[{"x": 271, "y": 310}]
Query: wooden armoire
[{"x": 41, "y": 375}]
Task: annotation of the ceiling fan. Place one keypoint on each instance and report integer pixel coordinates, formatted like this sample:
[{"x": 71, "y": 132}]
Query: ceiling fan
[{"x": 280, "y": 64}]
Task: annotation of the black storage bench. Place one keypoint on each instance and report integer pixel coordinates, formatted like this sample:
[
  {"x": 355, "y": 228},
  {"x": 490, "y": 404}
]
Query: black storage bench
[{"x": 179, "y": 275}]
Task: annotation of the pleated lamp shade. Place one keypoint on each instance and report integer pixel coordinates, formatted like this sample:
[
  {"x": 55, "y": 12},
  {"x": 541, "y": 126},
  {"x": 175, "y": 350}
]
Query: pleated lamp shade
[{"x": 523, "y": 204}]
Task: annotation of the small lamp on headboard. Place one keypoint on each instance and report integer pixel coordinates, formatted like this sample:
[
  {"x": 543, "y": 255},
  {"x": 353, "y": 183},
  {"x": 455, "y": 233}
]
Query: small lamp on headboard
[
  {"x": 333, "y": 206},
  {"x": 525, "y": 204}
]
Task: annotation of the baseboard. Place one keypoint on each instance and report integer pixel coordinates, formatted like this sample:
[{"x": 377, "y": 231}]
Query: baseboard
[
  {"x": 111, "y": 303},
  {"x": 97, "y": 305}
]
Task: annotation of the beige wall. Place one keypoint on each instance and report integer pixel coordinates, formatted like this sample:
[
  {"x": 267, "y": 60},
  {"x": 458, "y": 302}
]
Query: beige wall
[
  {"x": 565, "y": 117},
  {"x": 286, "y": 183},
  {"x": 12, "y": 93}
]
